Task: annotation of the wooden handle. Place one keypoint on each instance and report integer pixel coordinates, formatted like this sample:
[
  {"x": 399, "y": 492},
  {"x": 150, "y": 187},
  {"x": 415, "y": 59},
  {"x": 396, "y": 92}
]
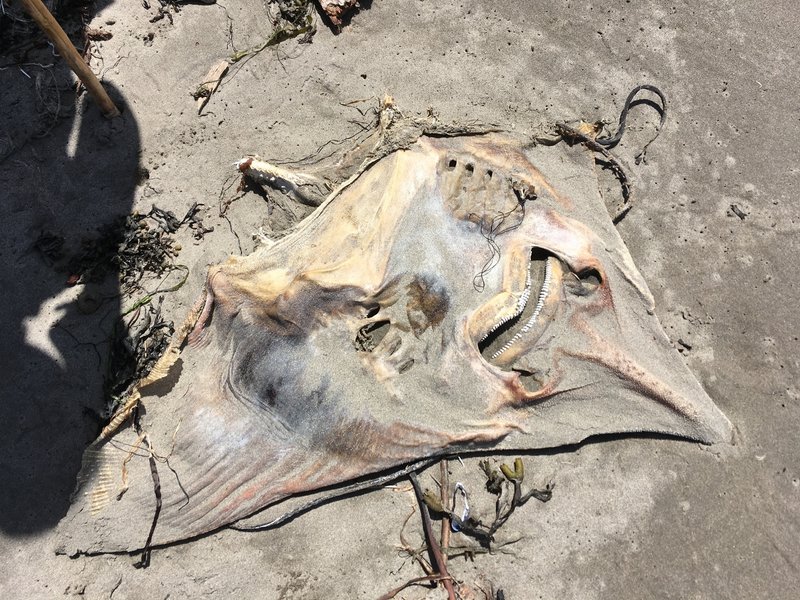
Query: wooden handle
[{"x": 53, "y": 30}]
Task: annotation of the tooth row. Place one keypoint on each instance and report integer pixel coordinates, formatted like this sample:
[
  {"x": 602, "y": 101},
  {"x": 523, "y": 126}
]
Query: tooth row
[
  {"x": 521, "y": 303},
  {"x": 548, "y": 273}
]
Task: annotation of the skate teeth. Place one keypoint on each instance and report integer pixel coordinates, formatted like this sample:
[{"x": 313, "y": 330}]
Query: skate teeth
[
  {"x": 522, "y": 302},
  {"x": 548, "y": 274}
]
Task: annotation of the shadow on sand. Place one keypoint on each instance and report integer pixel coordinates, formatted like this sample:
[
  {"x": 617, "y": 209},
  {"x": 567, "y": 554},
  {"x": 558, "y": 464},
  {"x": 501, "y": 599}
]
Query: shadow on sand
[{"x": 78, "y": 174}]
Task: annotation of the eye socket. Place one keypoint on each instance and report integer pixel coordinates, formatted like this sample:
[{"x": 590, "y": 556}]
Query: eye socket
[{"x": 590, "y": 278}]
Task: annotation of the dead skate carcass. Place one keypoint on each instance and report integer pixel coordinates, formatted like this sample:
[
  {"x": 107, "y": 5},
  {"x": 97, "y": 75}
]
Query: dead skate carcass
[{"x": 450, "y": 293}]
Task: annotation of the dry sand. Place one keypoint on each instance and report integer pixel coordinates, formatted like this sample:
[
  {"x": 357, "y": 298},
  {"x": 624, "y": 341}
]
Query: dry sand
[{"x": 631, "y": 518}]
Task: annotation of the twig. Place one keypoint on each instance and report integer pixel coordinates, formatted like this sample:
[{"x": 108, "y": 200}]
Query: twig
[
  {"x": 53, "y": 30},
  {"x": 417, "y": 580},
  {"x": 444, "y": 491},
  {"x": 433, "y": 545},
  {"x": 415, "y": 554},
  {"x": 229, "y": 182}
]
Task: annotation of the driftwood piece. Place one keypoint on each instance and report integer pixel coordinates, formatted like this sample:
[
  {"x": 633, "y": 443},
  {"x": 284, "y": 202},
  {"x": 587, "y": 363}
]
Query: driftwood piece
[{"x": 210, "y": 84}]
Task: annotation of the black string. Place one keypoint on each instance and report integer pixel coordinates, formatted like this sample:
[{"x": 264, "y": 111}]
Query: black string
[
  {"x": 144, "y": 561},
  {"x": 490, "y": 230},
  {"x": 601, "y": 145},
  {"x": 610, "y": 142}
]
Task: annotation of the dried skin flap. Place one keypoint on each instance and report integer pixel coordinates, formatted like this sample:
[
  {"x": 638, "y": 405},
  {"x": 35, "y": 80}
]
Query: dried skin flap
[{"x": 454, "y": 296}]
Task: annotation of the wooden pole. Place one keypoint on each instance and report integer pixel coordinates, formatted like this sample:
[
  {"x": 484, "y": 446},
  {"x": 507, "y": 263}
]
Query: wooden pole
[{"x": 53, "y": 30}]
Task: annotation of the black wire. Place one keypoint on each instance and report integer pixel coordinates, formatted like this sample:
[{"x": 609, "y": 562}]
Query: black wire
[
  {"x": 490, "y": 230},
  {"x": 610, "y": 142}
]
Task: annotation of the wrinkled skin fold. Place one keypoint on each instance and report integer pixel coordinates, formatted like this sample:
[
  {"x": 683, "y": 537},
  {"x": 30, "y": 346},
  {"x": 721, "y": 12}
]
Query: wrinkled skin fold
[{"x": 464, "y": 293}]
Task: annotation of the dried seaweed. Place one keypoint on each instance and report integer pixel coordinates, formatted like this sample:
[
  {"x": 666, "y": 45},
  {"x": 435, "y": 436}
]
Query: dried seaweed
[
  {"x": 129, "y": 247},
  {"x": 136, "y": 248},
  {"x": 502, "y": 484},
  {"x": 132, "y": 247},
  {"x": 290, "y": 18},
  {"x": 194, "y": 220},
  {"x": 136, "y": 344},
  {"x": 505, "y": 484}
]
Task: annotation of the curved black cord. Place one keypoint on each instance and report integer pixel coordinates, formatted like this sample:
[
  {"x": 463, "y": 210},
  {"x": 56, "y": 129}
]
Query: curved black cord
[{"x": 610, "y": 142}]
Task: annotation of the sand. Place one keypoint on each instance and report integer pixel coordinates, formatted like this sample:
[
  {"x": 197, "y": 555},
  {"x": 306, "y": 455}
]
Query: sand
[{"x": 630, "y": 518}]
